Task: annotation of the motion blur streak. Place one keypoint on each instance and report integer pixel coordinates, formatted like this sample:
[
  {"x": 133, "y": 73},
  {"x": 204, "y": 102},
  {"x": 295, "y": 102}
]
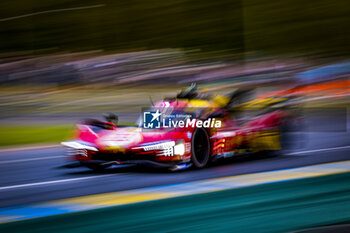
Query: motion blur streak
[
  {"x": 161, "y": 192},
  {"x": 263, "y": 208},
  {"x": 51, "y": 11},
  {"x": 101, "y": 62},
  {"x": 48, "y": 182},
  {"x": 32, "y": 159}
]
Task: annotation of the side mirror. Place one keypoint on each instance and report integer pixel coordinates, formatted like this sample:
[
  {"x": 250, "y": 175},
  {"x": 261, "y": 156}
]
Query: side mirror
[{"x": 111, "y": 117}]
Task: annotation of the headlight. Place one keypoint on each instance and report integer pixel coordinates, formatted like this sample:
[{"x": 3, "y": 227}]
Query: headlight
[{"x": 179, "y": 149}]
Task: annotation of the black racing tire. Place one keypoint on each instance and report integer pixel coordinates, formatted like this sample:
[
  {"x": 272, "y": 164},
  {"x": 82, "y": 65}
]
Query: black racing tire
[{"x": 200, "y": 148}]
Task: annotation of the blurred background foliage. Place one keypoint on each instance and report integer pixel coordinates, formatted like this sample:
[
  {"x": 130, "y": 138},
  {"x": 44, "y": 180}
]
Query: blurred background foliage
[
  {"x": 126, "y": 25},
  {"x": 63, "y": 60},
  {"x": 285, "y": 26},
  {"x": 313, "y": 26}
]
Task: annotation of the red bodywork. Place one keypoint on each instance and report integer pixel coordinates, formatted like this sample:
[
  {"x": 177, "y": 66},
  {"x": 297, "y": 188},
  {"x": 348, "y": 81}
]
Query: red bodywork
[{"x": 107, "y": 144}]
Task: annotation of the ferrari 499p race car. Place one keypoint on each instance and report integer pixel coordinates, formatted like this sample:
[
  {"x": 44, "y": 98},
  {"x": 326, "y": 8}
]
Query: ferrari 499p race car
[{"x": 190, "y": 129}]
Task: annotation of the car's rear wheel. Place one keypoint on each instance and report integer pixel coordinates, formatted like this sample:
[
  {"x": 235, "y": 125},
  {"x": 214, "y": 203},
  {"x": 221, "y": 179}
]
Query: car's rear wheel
[{"x": 200, "y": 148}]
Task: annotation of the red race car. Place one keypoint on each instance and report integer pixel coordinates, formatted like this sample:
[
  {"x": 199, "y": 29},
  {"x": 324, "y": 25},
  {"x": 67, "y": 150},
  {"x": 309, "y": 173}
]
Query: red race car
[{"x": 190, "y": 129}]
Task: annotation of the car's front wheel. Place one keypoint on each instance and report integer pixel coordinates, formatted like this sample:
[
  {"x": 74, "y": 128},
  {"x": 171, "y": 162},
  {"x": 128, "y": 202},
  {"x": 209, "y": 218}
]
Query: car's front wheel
[{"x": 200, "y": 148}]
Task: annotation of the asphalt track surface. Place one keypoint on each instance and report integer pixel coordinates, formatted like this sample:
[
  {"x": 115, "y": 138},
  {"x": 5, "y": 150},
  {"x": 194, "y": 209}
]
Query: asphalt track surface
[{"x": 36, "y": 175}]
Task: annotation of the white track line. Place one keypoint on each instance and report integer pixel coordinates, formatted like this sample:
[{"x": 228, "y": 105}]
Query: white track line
[
  {"x": 319, "y": 150},
  {"x": 51, "y": 182},
  {"x": 51, "y": 11},
  {"x": 91, "y": 177},
  {"x": 31, "y": 159},
  {"x": 32, "y": 147},
  {"x": 291, "y": 153}
]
